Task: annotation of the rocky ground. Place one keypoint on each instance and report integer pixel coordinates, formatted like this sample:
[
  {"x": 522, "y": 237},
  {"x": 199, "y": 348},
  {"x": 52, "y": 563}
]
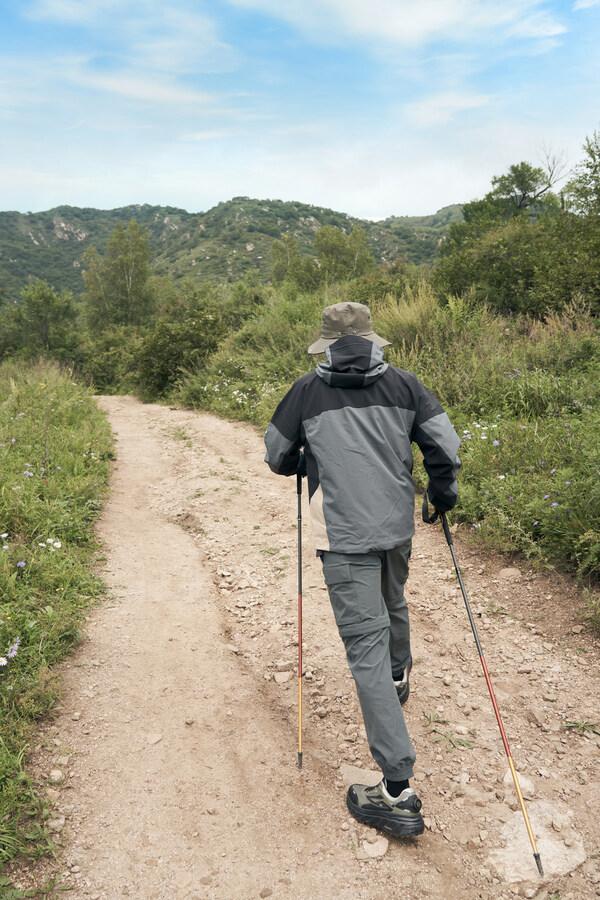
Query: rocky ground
[{"x": 171, "y": 761}]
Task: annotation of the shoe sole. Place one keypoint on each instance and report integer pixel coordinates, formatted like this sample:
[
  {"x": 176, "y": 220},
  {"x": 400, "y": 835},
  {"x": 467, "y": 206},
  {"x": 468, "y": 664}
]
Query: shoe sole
[{"x": 407, "y": 827}]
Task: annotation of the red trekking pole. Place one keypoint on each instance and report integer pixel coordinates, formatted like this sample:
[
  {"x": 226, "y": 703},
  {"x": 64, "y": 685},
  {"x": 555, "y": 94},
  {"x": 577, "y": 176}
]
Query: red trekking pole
[
  {"x": 299, "y": 493},
  {"x": 430, "y": 519}
]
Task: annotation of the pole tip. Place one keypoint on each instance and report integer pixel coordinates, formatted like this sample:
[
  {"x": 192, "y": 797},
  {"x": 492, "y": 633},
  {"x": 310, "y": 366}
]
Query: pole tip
[
  {"x": 538, "y": 863},
  {"x": 299, "y": 759}
]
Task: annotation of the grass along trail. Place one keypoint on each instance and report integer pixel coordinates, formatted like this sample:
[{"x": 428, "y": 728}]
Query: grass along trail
[{"x": 174, "y": 748}]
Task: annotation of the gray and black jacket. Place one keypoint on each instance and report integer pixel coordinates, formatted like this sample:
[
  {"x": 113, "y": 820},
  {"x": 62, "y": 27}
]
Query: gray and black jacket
[{"x": 355, "y": 417}]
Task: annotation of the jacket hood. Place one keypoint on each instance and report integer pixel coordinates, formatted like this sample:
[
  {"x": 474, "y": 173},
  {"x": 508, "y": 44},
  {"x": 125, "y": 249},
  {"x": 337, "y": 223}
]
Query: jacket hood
[{"x": 352, "y": 362}]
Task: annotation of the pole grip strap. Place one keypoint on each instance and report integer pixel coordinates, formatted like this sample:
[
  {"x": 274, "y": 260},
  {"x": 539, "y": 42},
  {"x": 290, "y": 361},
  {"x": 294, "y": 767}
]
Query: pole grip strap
[{"x": 428, "y": 517}]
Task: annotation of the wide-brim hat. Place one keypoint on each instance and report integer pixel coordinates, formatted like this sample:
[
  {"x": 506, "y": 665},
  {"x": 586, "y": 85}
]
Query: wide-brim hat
[{"x": 342, "y": 319}]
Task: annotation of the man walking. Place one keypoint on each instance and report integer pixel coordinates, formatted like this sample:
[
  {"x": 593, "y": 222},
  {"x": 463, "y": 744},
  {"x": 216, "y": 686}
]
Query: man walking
[{"x": 349, "y": 426}]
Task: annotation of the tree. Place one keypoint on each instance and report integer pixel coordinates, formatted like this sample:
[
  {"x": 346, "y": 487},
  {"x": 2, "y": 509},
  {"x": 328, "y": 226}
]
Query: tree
[
  {"x": 583, "y": 191},
  {"x": 342, "y": 255},
  {"x": 288, "y": 264},
  {"x": 117, "y": 291},
  {"x": 525, "y": 187},
  {"x": 44, "y": 320}
]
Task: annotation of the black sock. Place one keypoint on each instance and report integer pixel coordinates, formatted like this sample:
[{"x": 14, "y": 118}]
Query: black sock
[{"x": 395, "y": 788}]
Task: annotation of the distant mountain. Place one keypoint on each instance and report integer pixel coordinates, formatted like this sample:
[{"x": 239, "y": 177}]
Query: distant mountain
[{"x": 222, "y": 243}]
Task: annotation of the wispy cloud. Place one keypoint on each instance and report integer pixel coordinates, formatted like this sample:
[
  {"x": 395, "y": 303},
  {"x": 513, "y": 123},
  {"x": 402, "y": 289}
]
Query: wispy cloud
[
  {"x": 439, "y": 109},
  {"x": 406, "y": 22},
  {"x": 136, "y": 87},
  {"x": 73, "y": 12},
  {"x": 585, "y": 4}
]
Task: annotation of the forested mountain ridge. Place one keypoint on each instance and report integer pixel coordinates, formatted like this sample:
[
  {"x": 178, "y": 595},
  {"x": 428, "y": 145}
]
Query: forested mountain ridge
[{"x": 222, "y": 243}]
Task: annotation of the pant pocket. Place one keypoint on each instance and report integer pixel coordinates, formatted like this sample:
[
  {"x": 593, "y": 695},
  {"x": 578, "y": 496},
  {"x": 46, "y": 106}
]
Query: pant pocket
[{"x": 355, "y": 595}]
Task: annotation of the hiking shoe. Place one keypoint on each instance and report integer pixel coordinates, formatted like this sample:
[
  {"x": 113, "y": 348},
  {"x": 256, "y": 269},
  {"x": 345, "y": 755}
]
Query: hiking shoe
[
  {"x": 402, "y": 684},
  {"x": 398, "y": 816}
]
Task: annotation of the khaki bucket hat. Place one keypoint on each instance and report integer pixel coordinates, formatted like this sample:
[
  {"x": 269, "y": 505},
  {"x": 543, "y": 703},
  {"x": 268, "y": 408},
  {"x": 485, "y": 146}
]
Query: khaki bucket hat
[{"x": 342, "y": 319}]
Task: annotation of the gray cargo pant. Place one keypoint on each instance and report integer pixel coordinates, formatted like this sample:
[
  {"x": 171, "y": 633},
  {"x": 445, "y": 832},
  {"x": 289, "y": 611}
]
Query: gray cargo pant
[{"x": 367, "y": 596}]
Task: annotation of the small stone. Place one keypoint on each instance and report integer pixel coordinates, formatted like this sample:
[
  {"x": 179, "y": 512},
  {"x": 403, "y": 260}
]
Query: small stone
[
  {"x": 57, "y": 824},
  {"x": 321, "y": 712},
  {"x": 283, "y": 665},
  {"x": 266, "y": 892},
  {"x": 154, "y": 739},
  {"x": 535, "y": 716},
  {"x": 189, "y": 721},
  {"x": 282, "y": 677},
  {"x": 76, "y": 716},
  {"x": 354, "y": 775},
  {"x": 376, "y": 849},
  {"x": 56, "y": 776},
  {"x": 527, "y": 786},
  {"x": 510, "y": 574},
  {"x": 577, "y": 629},
  {"x": 210, "y": 810}
]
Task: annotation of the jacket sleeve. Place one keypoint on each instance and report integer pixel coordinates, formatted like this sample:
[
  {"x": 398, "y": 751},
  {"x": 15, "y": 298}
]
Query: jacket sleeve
[
  {"x": 439, "y": 443},
  {"x": 283, "y": 437}
]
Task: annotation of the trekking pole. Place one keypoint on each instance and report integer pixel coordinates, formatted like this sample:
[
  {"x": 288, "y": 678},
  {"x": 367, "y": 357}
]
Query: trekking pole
[
  {"x": 430, "y": 519},
  {"x": 299, "y": 493}
]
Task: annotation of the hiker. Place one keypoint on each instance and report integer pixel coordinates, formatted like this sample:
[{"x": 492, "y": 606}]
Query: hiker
[{"x": 348, "y": 426}]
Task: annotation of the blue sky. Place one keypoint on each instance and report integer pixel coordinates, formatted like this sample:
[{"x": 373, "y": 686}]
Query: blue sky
[{"x": 373, "y": 107}]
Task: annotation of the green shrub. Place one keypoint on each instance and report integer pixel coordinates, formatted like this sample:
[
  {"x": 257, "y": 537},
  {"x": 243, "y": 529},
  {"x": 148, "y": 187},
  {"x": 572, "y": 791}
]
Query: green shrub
[{"x": 54, "y": 451}]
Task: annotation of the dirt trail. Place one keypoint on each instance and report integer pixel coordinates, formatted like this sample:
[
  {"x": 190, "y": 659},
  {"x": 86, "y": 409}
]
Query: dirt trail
[{"x": 176, "y": 734}]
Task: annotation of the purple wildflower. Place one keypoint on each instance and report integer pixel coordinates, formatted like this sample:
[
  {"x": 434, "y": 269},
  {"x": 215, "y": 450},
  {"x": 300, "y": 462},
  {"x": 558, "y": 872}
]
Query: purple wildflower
[
  {"x": 546, "y": 496},
  {"x": 554, "y": 504},
  {"x": 21, "y": 564},
  {"x": 14, "y": 648},
  {"x": 496, "y": 443},
  {"x": 28, "y": 474}
]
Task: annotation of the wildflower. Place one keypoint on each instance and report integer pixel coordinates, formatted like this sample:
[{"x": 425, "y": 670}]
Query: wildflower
[
  {"x": 501, "y": 477},
  {"x": 5, "y": 546},
  {"x": 21, "y": 564},
  {"x": 554, "y": 504},
  {"x": 13, "y": 649},
  {"x": 546, "y": 496},
  {"x": 4, "y": 536},
  {"x": 3, "y": 661},
  {"x": 57, "y": 545},
  {"x": 553, "y": 471},
  {"x": 567, "y": 482},
  {"x": 496, "y": 443},
  {"x": 28, "y": 474},
  {"x": 484, "y": 437}
]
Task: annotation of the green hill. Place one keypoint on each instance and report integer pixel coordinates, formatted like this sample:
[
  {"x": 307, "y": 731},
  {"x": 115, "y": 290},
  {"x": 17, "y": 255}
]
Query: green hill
[{"x": 222, "y": 243}]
